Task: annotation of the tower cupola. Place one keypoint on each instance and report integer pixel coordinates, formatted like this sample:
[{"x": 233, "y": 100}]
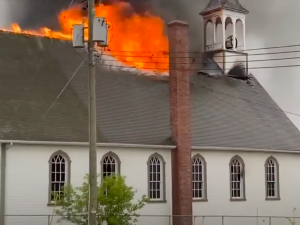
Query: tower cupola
[{"x": 220, "y": 14}]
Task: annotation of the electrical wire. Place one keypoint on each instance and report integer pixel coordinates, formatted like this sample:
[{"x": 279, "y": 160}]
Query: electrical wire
[
  {"x": 182, "y": 57},
  {"x": 190, "y": 69},
  {"x": 243, "y": 99},
  {"x": 255, "y": 60},
  {"x": 64, "y": 88},
  {"x": 164, "y": 52},
  {"x": 71, "y": 3},
  {"x": 246, "y": 50},
  {"x": 58, "y": 96}
]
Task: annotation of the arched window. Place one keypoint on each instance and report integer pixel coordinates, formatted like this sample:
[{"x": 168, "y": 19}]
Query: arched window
[
  {"x": 156, "y": 178},
  {"x": 59, "y": 175},
  {"x": 199, "y": 178},
  {"x": 272, "y": 179},
  {"x": 209, "y": 35},
  {"x": 237, "y": 178},
  {"x": 110, "y": 164}
]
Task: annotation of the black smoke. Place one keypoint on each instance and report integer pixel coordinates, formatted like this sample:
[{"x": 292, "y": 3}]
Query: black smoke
[
  {"x": 33, "y": 14},
  {"x": 39, "y": 13}
]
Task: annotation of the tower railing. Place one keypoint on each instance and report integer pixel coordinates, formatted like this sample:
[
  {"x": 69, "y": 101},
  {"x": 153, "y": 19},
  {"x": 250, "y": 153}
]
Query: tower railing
[
  {"x": 217, "y": 46},
  {"x": 214, "y": 46}
]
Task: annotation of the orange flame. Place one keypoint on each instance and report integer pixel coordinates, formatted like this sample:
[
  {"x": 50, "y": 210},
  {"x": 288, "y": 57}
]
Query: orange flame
[{"x": 134, "y": 40}]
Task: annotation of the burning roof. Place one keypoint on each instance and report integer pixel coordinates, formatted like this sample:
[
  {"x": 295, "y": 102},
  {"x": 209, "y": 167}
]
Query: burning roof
[
  {"x": 225, "y": 112},
  {"x": 131, "y": 108},
  {"x": 135, "y": 40}
]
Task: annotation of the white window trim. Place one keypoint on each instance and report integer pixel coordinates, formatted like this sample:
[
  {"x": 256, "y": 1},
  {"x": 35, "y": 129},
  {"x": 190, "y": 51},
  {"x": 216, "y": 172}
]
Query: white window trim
[
  {"x": 67, "y": 173},
  {"x": 242, "y": 182},
  {"x": 204, "y": 178},
  {"x": 277, "y": 184},
  {"x": 117, "y": 161},
  {"x": 162, "y": 198}
]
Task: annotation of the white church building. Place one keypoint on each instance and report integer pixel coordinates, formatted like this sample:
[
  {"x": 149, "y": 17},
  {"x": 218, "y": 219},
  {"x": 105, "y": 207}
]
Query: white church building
[{"x": 222, "y": 150}]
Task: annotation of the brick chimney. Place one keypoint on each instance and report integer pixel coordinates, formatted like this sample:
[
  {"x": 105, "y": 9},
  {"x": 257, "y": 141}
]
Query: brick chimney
[{"x": 180, "y": 122}]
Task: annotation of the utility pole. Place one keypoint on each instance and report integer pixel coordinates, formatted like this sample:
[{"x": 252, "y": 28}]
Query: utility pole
[
  {"x": 96, "y": 33},
  {"x": 92, "y": 119}
]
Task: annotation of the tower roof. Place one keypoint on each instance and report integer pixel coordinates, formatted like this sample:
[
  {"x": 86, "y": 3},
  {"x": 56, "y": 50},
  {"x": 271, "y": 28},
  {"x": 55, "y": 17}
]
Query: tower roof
[{"x": 232, "y": 5}]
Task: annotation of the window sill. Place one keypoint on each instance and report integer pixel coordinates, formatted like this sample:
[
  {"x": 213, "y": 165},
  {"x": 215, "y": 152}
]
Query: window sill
[
  {"x": 238, "y": 199},
  {"x": 273, "y": 199},
  {"x": 157, "y": 201},
  {"x": 200, "y": 200},
  {"x": 52, "y": 204}
]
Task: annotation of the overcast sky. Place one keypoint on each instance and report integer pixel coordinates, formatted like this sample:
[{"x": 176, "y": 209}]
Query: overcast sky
[
  {"x": 275, "y": 23},
  {"x": 270, "y": 23}
]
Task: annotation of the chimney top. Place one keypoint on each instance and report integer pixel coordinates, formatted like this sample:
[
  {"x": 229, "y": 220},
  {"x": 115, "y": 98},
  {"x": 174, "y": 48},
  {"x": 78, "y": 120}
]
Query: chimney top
[{"x": 178, "y": 23}]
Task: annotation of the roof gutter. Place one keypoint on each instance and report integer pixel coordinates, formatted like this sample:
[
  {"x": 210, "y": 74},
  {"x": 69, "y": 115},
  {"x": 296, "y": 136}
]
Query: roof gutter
[
  {"x": 119, "y": 145},
  {"x": 86, "y": 144},
  {"x": 208, "y": 148}
]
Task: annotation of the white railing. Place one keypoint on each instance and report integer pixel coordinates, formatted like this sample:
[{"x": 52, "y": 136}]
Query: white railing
[
  {"x": 210, "y": 47},
  {"x": 214, "y": 46},
  {"x": 218, "y": 45},
  {"x": 240, "y": 48}
]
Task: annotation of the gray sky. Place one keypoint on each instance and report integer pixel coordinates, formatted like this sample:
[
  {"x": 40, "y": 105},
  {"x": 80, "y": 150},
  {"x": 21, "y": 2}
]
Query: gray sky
[
  {"x": 270, "y": 23},
  {"x": 275, "y": 23}
]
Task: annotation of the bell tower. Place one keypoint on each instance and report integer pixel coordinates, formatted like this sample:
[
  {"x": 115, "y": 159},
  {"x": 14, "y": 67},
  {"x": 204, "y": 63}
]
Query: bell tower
[
  {"x": 222, "y": 13},
  {"x": 224, "y": 50}
]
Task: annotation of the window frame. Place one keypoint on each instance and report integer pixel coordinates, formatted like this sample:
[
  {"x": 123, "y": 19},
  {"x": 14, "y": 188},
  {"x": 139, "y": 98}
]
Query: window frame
[
  {"x": 204, "y": 178},
  {"x": 163, "y": 182},
  {"x": 243, "y": 179},
  {"x": 277, "y": 186},
  {"x": 117, "y": 160},
  {"x": 68, "y": 172}
]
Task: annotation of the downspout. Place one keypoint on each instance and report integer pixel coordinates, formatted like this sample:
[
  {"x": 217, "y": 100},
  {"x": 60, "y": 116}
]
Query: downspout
[{"x": 2, "y": 183}]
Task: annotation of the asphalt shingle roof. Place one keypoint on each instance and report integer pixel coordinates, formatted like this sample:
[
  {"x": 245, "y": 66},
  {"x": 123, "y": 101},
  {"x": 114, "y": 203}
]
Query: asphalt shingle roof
[
  {"x": 232, "y": 5},
  {"x": 131, "y": 108}
]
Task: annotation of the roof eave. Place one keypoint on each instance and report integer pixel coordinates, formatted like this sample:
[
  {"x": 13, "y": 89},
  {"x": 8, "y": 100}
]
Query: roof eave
[
  {"x": 243, "y": 11},
  {"x": 212, "y": 148},
  {"x": 59, "y": 143},
  {"x": 205, "y": 12}
]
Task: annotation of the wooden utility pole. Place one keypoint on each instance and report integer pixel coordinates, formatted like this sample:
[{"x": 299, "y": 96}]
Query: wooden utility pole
[{"x": 92, "y": 119}]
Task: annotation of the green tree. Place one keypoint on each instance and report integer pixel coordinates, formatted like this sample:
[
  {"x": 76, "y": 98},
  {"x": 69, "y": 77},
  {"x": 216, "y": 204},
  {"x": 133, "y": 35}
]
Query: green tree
[{"x": 116, "y": 204}]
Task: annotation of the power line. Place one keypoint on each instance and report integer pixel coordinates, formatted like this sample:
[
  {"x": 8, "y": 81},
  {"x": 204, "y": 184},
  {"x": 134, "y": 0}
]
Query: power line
[
  {"x": 246, "y": 50},
  {"x": 256, "y": 60},
  {"x": 190, "y": 69},
  {"x": 71, "y": 3},
  {"x": 182, "y": 57},
  {"x": 60, "y": 93},
  {"x": 243, "y": 99},
  {"x": 53, "y": 103},
  {"x": 295, "y": 114}
]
